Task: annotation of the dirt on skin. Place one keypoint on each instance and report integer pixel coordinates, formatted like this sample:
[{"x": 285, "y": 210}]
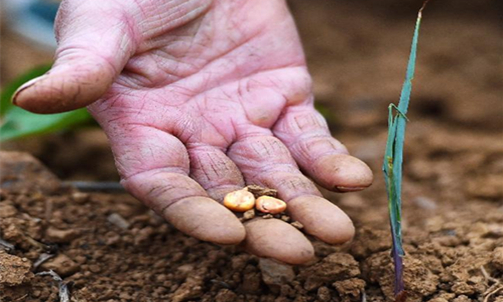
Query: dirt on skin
[{"x": 111, "y": 248}]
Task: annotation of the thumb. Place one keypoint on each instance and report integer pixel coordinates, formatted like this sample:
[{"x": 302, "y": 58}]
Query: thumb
[{"x": 95, "y": 41}]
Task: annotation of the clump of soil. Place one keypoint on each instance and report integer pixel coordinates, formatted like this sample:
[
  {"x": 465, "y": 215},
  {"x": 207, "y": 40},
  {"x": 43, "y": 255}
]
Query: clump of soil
[{"x": 14, "y": 270}]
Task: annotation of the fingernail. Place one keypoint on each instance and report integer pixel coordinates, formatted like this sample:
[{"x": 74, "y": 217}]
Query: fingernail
[
  {"x": 24, "y": 87},
  {"x": 343, "y": 189}
]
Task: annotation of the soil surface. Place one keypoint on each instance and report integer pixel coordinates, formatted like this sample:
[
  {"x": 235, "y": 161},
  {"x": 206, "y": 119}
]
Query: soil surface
[{"x": 108, "y": 247}]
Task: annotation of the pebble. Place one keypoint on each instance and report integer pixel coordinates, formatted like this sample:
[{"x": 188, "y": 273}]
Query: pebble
[
  {"x": 285, "y": 218},
  {"x": 425, "y": 203},
  {"x": 80, "y": 198},
  {"x": 118, "y": 221},
  {"x": 297, "y": 225},
  {"x": 62, "y": 265},
  {"x": 60, "y": 236},
  {"x": 248, "y": 215}
]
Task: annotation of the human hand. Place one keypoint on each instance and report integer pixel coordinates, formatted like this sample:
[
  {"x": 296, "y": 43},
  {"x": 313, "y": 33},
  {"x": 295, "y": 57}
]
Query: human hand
[{"x": 199, "y": 98}]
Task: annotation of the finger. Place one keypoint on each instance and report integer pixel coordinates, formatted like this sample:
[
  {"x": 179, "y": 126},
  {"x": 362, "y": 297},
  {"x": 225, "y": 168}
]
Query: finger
[
  {"x": 154, "y": 166},
  {"x": 265, "y": 161},
  {"x": 321, "y": 218},
  {"x": 305, "y": 133},
  {"x": 95, "y": 40},
  {"x": 274, "y": 238},
  {"x": 214, "y": 171}
]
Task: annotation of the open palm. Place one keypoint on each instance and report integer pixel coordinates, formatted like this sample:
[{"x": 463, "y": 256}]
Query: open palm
[{"x": 200, "y": 98}]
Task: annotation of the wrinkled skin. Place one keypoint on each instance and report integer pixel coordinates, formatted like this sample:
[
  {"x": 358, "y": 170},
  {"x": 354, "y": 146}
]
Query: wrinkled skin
[{"x": 199, "y": 98}]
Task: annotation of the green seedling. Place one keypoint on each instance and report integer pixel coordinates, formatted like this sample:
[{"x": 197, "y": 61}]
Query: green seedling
[
  {"x": 17, "y": 123},
  {"x": 392, "y": 165}
]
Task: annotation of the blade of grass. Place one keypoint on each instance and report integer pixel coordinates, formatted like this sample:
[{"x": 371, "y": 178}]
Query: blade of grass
[{"x": 393, "y": 160}]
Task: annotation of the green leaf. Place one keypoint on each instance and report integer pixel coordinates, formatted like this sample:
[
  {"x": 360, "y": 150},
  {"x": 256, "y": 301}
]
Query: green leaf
[
  {"x": 18, "y": 123},
  {"x": 8, "y": 91}
]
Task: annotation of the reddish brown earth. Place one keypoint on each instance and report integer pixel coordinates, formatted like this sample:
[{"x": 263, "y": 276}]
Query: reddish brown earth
[{"x": 110, "y": 248}]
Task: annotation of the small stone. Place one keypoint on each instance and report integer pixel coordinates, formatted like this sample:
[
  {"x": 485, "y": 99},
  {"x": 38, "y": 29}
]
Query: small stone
[
  {"x": 80, "y": 198},
  {"x": 118, "y": 221},
  {"x": 248, "y": 215},
  {"x": 425, "y": 203},
  {"x": 285, "y": 218},
  {"x": 297, "y": 225},
  {"x": 275, "y": 273},
  {"x": 267, "y": 216},
  {"x": 62, "y": 265},
  {"x": 60, "y": 236},
  {"x": 13, "y": 270}
]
